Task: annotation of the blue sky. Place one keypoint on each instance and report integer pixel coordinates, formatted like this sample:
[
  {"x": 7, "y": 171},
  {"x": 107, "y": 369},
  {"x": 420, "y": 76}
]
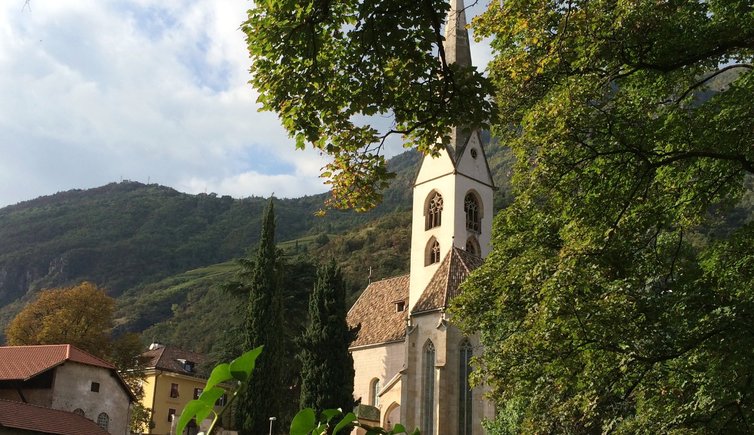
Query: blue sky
[{"x": 95, "y": 91}]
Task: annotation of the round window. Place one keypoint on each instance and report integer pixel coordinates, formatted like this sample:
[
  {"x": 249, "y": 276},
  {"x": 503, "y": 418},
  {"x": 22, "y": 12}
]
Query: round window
[{"x": 473, "y": 153}]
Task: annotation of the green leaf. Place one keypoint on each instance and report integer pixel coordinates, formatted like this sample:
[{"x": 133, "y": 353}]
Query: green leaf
[
  {"x": 209, "y": 396},
  {"x": 220, "y": 373},
  {"x": 242, "y": 366},
  {"x": 304, "y": 422},
  {"x": 190, "y": 411},
  {"x": 328, "y": 414},
  {"x": 398, "y": 428},
  {"x": 347, "y": 420}
]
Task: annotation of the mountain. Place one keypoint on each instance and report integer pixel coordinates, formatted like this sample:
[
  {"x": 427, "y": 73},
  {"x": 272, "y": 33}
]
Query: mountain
[{"x": 128, "y": 237}]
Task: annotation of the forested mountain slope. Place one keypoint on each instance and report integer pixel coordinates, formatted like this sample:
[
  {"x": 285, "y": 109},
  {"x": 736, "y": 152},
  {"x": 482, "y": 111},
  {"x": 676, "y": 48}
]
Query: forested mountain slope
[{"x": 125, "y": 236}]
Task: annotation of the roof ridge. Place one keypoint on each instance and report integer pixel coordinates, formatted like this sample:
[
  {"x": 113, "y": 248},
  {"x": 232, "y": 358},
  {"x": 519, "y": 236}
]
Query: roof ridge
[{"x": 108, "y": 363}]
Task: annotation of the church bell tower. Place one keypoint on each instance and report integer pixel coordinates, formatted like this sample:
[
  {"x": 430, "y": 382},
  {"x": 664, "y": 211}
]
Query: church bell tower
[{"x": 452, "y": 198}]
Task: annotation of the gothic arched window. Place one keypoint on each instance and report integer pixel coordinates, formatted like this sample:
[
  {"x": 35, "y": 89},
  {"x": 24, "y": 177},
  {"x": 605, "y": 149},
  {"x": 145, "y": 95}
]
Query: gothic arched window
[
  {"x": 473, "y": 213},
  {"x": 79, "y": 411},
  {"x": 433, "y": 211},
  {"x": 464, "y": 389},
  {"x": 103, "y": 420},
  {"x": 428, "y": 389},
  {"x": 432, "y": 255},
  {"x": 472, "y": 246},
  {"x": 374, "y": 391}
]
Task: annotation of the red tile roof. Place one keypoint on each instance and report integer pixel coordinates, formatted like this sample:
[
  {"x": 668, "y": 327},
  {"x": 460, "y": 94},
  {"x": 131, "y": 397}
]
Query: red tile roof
[
  {"x": 167, "y": 358},
  {"x": 25, "y": 362},
  {"x": 444, "y": 285},
  {"x": 375, "y": 312},
  {"x": 23, "y": 416}
]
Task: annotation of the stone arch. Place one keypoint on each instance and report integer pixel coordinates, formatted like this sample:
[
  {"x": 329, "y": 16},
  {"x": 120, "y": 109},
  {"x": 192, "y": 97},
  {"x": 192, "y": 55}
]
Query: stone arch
[
  {"x": 433, "y": 206},
  {"x": 391, "y": 416},
  {"x": 432, "y": 252},
  {"x": 473, "y": 210},
  {"x": 374, "y": 392}
]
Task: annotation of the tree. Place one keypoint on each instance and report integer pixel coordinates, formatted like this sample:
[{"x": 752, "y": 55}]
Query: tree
[
  {"x": 326, "y": 364},
  {"x": 260, "y": 278},
  {"x": 619, "y": 297},
  {"x": 80, "y": 315},
  {"x": 324, "y": 67},
  {"x": 618, "y": 294}
]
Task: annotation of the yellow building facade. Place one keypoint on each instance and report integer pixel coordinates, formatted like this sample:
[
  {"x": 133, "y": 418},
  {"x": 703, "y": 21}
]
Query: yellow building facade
[{"x": 171, "y": 381}]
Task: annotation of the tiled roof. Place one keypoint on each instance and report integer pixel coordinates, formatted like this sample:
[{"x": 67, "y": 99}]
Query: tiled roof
[
  {"x": 23, "y": 416},
  {"x": 167, "y": 358},
  {"x": 443, "y": 287},
  {"x": 25, "y": 362},
  {"x": 375, "y": 312}
]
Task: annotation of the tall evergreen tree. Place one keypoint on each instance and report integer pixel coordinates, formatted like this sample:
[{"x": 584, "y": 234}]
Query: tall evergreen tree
[
  {"x": 326, "y": 365},
  {"x": 260, "y": 278}
]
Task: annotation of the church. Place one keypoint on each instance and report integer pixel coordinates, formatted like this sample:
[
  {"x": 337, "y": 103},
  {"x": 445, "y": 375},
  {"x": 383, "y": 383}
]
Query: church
[{"x": 411, "y": 362}]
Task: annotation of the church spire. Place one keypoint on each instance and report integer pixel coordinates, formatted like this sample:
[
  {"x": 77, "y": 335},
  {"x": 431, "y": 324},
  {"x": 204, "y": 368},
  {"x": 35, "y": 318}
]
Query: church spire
[{"x": 457, "y": 49}]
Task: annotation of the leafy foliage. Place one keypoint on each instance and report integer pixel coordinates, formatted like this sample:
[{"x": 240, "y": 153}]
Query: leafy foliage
[
  {"x": 608, "y": 302},
  {"x": 81, "y": 315},
  {"x": 326, "y": 364},
  {"x": 324, "y": 67}
]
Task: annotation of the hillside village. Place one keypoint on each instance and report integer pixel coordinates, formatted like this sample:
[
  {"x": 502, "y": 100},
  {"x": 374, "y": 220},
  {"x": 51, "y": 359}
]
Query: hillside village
[{"x": 589, "y": 269}]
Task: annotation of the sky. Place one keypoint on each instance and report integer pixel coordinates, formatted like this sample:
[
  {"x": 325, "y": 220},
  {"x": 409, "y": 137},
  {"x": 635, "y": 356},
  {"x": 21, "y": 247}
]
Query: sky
[{"x": 155, "y": 91}]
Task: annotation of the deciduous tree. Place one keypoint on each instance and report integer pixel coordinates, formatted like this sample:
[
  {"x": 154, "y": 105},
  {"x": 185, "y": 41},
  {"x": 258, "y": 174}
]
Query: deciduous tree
[
  {"x": 618, "y": 295},
  {"x": 81, "y": 315}
]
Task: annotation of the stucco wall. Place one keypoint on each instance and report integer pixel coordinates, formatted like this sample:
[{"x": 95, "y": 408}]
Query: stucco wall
[{"x": 72, "y": 389}]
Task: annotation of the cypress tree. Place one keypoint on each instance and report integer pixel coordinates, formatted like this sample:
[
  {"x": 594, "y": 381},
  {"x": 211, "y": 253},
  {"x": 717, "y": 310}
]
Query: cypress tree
[
  {"x": 326, "y": 365},
  {"x": 260, "y": 278}
]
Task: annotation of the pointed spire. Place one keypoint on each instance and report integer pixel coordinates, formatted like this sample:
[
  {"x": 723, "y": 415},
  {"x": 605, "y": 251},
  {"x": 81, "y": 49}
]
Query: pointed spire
[{"x": 457, "y": 48}]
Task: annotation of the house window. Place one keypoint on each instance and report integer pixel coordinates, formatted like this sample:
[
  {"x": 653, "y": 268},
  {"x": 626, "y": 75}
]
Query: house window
[
  {"x": 464, "y": 389},
  {"x": 400, "y": 306},
  {"x": 79, "y": 411},
  {"x": 173, "y": 390},
  {"x": 222, "y": 400},
  {"x": 171, "y": 415},
  {"x": 375, "y": 393},
  {"x": 433, "y": 252},
  {"x": 433, "y": 211},
  {"x": 95, "y": 387},
  {"x": 103, "y": 420},
  {"x": 472, "y": 246},
  {"x": 428, "y": 389},
  {"x": 473, "y": 213},
  {"x": 197, "y": 393}
]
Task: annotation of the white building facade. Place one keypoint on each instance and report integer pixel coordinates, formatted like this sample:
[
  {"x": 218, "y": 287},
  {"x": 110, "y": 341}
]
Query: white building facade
[{"x": 411, "y": 363}]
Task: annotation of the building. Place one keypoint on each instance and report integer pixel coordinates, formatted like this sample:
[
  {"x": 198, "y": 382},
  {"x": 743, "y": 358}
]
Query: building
[
  {"x": 64, "y": 378},
  {"x": 18, "y": 418},
  {"x": 411, "y": 363},
  {"x": 171, "y": 381}
]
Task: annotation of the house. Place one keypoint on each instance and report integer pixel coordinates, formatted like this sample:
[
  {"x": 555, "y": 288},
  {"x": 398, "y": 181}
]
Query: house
[
  {"x": 18, "y": 418},
  {"x": 411, "y": 362},
  {"x": 64, "y": 378},
  {"x": 171, "y": 381}
]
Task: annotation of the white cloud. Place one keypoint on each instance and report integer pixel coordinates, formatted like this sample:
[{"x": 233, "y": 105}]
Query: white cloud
[{"x": 94, "y": 91}]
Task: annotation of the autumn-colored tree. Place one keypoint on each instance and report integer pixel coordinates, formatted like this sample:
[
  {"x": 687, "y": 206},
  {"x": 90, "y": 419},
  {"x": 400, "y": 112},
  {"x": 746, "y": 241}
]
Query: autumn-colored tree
[{"x": 80, "y": 315}]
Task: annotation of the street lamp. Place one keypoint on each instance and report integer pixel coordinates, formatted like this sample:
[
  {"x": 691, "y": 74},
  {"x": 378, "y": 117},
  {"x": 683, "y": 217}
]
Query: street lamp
[{"x": 271, "y": 420}]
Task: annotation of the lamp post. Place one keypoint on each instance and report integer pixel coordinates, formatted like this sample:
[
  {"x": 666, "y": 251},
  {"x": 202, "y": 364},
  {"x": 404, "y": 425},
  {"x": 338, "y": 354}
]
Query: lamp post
[{"x": 271, "y": 420}]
